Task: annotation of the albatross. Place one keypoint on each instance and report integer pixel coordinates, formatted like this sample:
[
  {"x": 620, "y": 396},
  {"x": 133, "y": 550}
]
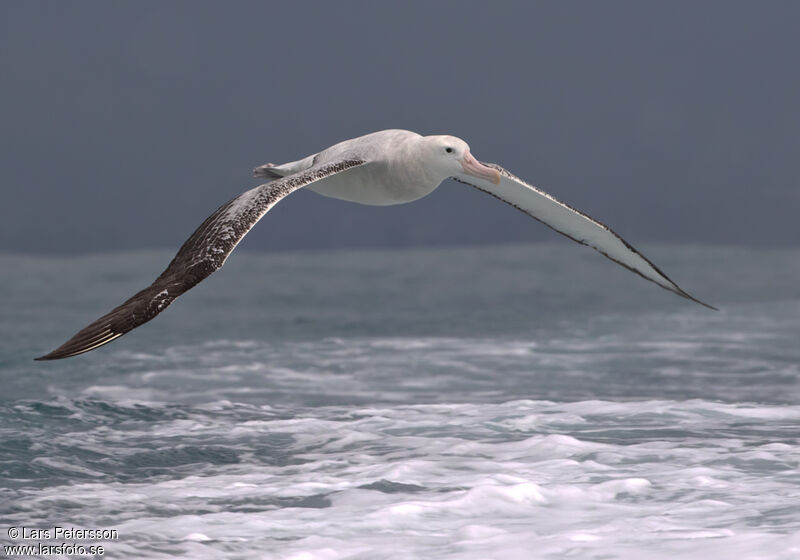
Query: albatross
[{"x": 382, "y": 168}]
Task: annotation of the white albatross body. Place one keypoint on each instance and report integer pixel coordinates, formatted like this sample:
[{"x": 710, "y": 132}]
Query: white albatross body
[
  {"x": 382, "y": 168},
  {"x": 396, "y": 173}
]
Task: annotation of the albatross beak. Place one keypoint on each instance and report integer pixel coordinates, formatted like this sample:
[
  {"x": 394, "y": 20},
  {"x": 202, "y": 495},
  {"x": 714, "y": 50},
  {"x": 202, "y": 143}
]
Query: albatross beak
[{"x": 475, "y": 168}]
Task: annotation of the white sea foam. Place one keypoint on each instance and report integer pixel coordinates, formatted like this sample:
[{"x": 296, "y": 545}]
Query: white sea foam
[
  {"x": 451, "y": 481},
  {"x": 382, "y": 406}
]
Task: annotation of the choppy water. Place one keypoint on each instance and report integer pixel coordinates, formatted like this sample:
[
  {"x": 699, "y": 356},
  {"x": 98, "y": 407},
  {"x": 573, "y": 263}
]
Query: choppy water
[{"x": 517, "y": 402}]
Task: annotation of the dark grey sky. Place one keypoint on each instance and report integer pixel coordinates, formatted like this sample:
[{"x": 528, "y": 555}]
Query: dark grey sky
[{"x": 124, "y": 124}]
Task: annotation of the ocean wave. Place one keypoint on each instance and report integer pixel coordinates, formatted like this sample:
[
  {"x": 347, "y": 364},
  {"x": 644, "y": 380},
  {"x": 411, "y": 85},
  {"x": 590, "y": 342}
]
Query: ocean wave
[{"x": 627, "y": 479}]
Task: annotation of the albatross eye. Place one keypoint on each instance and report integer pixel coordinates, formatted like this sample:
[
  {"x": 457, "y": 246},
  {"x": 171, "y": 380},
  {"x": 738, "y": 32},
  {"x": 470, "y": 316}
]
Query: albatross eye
[{"x": 449, "y": 150}]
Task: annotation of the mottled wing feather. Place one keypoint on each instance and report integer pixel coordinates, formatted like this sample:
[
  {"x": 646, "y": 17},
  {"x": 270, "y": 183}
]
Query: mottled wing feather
[
  {"x": 574, "y": 224},
  {"x": 203, "y": 253}
]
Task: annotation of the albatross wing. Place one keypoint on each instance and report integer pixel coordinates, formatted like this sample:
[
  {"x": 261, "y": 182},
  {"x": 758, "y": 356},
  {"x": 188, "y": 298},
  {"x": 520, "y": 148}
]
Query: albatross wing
[
  {"x": 204, "y": 252},
  {"x": 574, "y": 224}
]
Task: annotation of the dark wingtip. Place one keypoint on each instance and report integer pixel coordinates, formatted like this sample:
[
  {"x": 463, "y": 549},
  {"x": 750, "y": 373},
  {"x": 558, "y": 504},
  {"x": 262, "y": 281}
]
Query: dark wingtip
[
  {"x": 681, "y": 293},
  {"x": 711, "y": 307},
  {"x": 704, "y": 304},
  {"x": 94, "y": 336},
  {"x": 54, "y": 355},
  {"x": 47, "y": 357}
]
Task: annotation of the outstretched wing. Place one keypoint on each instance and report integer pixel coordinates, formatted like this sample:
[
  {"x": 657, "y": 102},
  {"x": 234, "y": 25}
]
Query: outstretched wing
[
  {"x": 204, "y": 252},
  {"x": 572, "y": 223}
]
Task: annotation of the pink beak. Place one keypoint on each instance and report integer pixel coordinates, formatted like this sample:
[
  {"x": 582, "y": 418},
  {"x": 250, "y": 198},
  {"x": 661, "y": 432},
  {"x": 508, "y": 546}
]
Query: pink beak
[{"x": 475, "y": 168}]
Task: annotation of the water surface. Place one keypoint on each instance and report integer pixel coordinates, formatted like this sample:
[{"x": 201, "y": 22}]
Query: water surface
[{"x": 497, "y": 402}]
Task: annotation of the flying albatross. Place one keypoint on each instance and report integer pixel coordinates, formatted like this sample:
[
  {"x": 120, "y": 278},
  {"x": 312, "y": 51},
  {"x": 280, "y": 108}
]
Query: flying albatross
[{"x": 382, "y": 168}]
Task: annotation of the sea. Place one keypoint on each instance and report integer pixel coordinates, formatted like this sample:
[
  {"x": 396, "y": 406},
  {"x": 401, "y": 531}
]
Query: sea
[{"x": 496, "y": 402}]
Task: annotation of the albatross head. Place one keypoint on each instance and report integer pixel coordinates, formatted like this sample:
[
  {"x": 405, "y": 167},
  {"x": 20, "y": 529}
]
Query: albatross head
[{"x": 450, "y": 156}]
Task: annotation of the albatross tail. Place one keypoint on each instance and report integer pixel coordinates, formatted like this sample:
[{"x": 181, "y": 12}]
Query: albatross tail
[{"x": 267, "y": 171}]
